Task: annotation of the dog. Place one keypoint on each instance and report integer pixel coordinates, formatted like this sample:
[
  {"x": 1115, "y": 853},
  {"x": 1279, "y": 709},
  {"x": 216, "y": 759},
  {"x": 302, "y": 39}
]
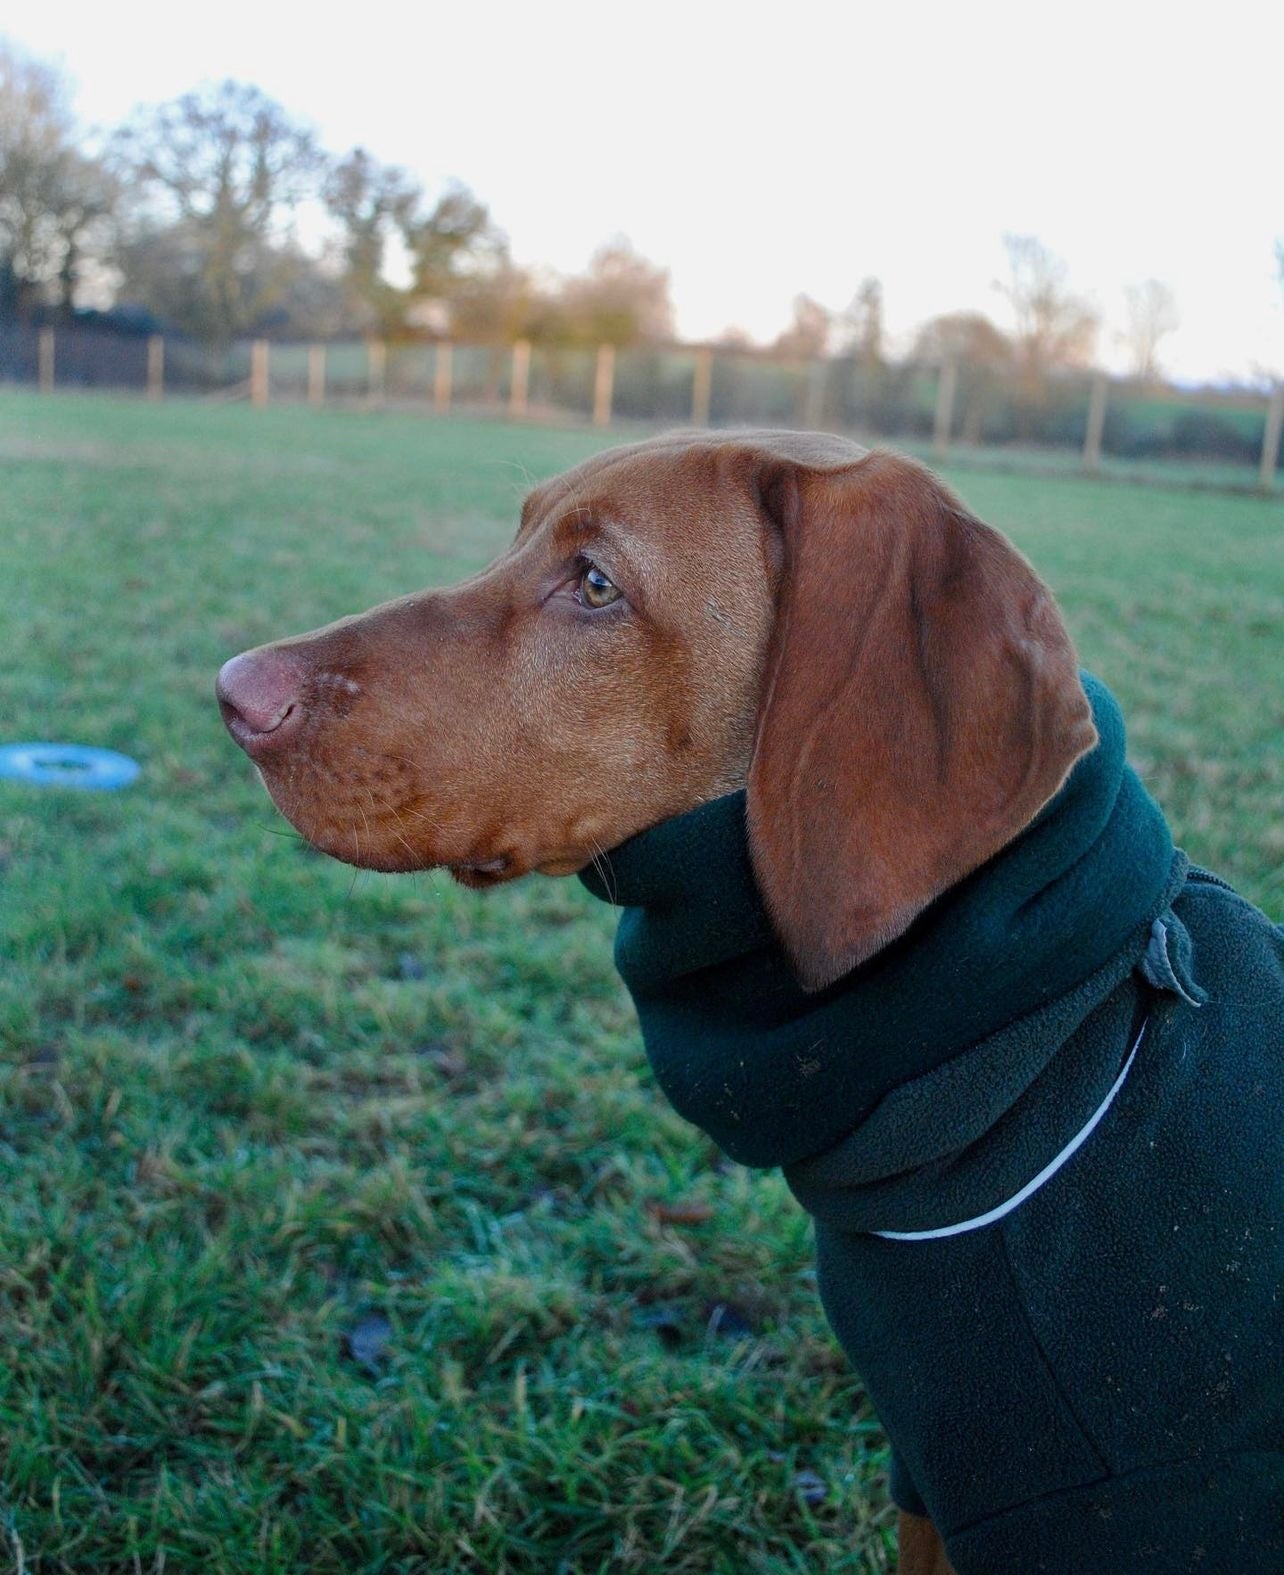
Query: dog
[{"x": 898, "y": 918}]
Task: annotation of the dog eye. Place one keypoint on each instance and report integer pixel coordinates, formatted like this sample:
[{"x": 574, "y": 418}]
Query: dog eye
[{"x": 595, "y": 590}]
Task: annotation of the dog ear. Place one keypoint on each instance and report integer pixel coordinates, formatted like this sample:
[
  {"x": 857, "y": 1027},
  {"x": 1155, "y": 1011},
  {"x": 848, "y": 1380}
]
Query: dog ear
[{"x": 921, "y": 704}]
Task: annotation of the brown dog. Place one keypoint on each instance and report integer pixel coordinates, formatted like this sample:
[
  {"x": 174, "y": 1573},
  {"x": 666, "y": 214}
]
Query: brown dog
[{"x": 675, "y": 620}]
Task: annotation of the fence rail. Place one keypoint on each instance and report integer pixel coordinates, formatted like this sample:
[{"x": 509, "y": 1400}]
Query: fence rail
[{"x": 1088, "y": 417}]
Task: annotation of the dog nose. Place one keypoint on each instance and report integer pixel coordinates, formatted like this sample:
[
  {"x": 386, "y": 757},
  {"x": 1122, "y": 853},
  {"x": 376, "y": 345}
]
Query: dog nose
[{"x": 259, "y": 694}]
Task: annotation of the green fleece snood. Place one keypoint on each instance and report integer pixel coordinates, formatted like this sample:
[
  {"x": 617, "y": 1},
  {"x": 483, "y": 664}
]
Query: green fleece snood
[
  {"x": 774, "y": 1074},
  {"x": 1093, "y": 1382}
]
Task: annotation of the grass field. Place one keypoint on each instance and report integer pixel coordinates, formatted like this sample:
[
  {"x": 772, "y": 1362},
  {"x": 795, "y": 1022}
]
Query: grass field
[{"x": 341, "y": 1227}]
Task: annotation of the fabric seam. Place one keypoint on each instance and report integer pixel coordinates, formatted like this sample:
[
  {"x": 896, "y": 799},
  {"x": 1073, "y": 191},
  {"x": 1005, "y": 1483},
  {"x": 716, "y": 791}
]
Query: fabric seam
[
  {"x": 1019, "y": 1296},
  {"x": 1109, "y": 1477}
]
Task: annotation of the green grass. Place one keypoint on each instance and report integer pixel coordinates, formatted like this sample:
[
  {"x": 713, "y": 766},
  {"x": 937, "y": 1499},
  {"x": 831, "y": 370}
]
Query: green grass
[
  {"x": 1202, "y": 474},
  {"x": 252, "y": 1104}
]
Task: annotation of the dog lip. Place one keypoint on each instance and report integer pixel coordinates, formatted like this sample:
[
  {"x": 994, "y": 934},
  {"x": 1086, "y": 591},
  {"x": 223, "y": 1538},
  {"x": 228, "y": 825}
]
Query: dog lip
[
  {"x": 483, "y": 866},
  {"x": 479, "y": 874}
]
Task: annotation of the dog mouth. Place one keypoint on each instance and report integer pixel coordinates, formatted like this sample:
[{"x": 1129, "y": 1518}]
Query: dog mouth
[
  {"x": 361, "y": 847},
  {"x": 478, "y": 874},
  {"x": 409, "y": 834},
  {"x": 385, "y": 844},
  {"x": 353, "y": 845}
]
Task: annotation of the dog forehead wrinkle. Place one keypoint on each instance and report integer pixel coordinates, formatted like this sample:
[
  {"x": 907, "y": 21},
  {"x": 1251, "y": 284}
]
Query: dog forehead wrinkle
[
  {"x": 546, "y": 497},
  {"x": 625, "y": 551},
  {"x": 586, "y": 522}
]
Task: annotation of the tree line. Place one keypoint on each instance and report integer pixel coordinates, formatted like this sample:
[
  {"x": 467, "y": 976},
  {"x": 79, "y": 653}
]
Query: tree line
[{"x": 187, "y": 217}]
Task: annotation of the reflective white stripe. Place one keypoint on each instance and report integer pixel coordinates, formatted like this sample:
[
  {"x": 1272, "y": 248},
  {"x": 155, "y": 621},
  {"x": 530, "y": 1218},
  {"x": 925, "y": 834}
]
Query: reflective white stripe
[{"x": 1046, "y": 1174}]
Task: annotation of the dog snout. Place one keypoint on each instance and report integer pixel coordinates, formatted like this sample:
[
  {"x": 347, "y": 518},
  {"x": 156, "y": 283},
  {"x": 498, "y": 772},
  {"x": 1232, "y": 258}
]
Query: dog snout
[{"x": 260, "y": 694}]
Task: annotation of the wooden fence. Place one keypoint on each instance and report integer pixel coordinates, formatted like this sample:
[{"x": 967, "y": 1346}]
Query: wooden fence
[{"x": 439, "y": 388}]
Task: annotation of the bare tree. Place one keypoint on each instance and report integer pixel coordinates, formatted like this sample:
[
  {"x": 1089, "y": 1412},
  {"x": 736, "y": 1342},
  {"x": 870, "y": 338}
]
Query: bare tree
[
  {"x": 457, "y": 242},
  {"x": 1152, "y": 316},
  {"x": 504, "y": 304},
  {"x": 56, "y": 201},
  {"x": 370, "y": 202},
  {"x": 981, "y": 353},
  {"x": 967, "y": 338},
  {"x": 1054, "y": 327},
  {"x": 734, "y": 338},
  {"x": 808, "y": 335},
  {"x": 623, "y": 299},
  {"x": 220, "y": 170},
  {"x": 863, "y": 325}
]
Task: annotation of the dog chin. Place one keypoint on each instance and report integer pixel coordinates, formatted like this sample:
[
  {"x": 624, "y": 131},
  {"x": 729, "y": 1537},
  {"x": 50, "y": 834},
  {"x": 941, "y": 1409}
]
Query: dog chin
[
  {"x": 357, "y": 847},
  {"x": 348, "y": 846},
  {"x": 347, "y": 849}
]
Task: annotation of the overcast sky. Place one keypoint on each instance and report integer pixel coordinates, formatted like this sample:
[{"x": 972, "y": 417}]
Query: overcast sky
[{"x": 760, "y": 151}]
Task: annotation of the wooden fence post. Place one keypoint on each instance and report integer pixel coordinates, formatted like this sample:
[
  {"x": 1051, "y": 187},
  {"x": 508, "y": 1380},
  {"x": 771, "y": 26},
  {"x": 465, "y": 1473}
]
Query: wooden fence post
[
  {"x": 520, "y": 380},
  {"x": 316, "y": 374},
  {"x": 701, "y": 388},
  {"x": 946, "y": 387},
  {"x": 377, "y": 377},
  {"x": 441, "y": 376},
  {"x": 259, "y": 372},
  {"x": 45, "y": 360},
  {"x": 603, "y": 385},
  {"x": 1096, "y": 422},
  {"x": 1271, "y": 439},
  {"x": 155, "y": 366}
]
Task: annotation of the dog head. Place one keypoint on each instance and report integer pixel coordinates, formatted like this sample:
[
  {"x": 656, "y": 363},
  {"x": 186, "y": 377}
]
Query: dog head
[{"x": 829, "y": 628}]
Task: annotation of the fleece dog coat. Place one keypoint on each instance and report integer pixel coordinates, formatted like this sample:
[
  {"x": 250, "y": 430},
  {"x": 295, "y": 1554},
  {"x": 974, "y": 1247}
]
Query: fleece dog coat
[{"x": 1042, "y": 1138}]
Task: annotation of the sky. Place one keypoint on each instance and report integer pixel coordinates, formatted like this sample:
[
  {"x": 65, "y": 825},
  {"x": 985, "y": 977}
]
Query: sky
[{"x": 762, "y": 151}]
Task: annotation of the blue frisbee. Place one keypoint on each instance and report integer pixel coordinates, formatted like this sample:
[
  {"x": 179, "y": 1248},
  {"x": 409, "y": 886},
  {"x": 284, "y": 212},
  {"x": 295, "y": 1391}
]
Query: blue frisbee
[{"x": 66, "y": 765}]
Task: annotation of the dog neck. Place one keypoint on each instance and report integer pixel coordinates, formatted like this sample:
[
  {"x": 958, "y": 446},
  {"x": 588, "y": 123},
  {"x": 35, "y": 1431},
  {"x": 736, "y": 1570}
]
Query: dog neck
[{"x": 1041, "y": 934}]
